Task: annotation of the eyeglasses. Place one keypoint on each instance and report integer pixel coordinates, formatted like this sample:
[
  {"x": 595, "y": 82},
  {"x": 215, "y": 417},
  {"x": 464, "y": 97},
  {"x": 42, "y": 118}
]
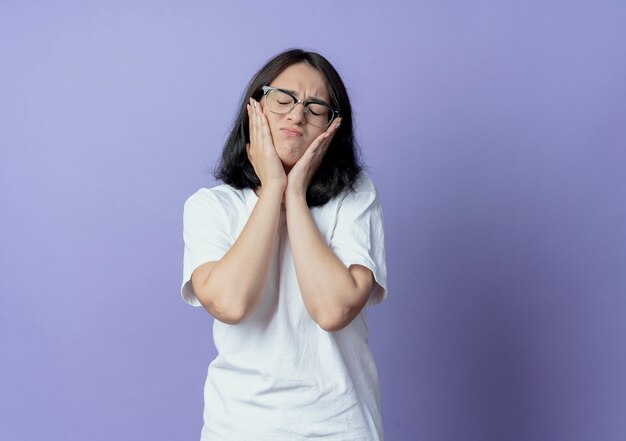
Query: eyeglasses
[{"x": 281, "y": 102}]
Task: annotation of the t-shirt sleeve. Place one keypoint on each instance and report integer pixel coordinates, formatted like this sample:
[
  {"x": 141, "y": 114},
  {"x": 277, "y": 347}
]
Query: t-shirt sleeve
[
  {"x": 359, "y": 238},
  {"x": 205, "y": 235}
]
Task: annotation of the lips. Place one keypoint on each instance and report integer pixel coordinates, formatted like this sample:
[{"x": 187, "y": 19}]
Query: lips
[{"x": 291, "y": 132}]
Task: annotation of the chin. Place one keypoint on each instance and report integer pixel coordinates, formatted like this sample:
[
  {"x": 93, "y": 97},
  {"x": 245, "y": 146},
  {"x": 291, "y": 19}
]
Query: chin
[
  {"x": 289, "y": 156},
  {"x": 288, "y": 163}
]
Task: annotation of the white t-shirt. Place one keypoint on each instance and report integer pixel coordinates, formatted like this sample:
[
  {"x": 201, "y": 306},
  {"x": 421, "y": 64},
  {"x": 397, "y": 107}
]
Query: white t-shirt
[{"x": 278, "y": 375}]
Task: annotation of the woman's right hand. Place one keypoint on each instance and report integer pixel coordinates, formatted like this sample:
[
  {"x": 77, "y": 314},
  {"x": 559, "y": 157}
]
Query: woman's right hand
[
  {"x": 261, "y": 151},
  {"x": 226, "y": 292}
]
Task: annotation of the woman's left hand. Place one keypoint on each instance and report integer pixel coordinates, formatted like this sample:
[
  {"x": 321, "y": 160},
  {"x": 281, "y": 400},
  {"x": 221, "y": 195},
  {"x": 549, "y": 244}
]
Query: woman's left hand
[{"x": 302, "y": 172}]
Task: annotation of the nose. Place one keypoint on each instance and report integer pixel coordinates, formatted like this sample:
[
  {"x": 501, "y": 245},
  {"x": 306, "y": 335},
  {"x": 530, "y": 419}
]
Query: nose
[{"x": 297, "y": 114}]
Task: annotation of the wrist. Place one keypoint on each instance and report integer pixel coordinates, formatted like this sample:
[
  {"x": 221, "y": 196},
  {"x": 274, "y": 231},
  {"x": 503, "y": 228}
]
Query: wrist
[
  {"x": 293, "y": 198},
  {"x": 275, "y": 190},
  {"x": 294, "y": 190}
]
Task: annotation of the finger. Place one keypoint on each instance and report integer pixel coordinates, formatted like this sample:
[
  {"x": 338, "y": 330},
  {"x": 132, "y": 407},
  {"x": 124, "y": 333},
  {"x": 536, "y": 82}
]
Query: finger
[
  {"x": 324, "y": 139},
  {"x": 334, "y": 126},
  {"x": 319, "y": 145},
  {"x": 257, "y": 123},
  {"x": 265, "y": 129},
  {"x": 332, "y": 130},
  {"x": 251, "y": 128}
]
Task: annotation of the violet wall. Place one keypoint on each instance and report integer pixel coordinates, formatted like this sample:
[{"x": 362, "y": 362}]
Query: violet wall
[{"x": 495, "y": 134}]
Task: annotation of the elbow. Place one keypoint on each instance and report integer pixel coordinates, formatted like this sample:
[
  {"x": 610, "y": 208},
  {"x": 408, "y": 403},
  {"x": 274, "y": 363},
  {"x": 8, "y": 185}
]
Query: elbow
[
  {"x": 333, "y": 326},
  {"x": 224, "y": 309},
  {"x": 333, "y": 322},
  {"x": 226, "y": 312},
  {"x": 230, "y": 317},
  {"x": 341, "y": 307},
  {"x": 230, "y": 309},
  {"x": 335, "y": 318}
]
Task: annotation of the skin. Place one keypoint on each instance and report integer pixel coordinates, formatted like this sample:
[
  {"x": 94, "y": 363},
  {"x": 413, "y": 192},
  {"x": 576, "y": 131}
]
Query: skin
[{"x": 285, "y": 152}]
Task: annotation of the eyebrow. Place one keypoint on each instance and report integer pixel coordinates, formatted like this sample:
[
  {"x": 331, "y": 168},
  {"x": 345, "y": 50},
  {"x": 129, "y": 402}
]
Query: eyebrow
[{"x": 310, "y": 99}]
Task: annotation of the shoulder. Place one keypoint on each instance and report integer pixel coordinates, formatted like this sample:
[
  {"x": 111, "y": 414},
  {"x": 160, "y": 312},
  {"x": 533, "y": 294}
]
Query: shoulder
[
  {"x": 364, "y": 184},
  {"x": 362, "y": 197},
  {"x": 363, "y": 190},
  {"x": 223, "y": 193},
  {"x": 221, "y": 198}
]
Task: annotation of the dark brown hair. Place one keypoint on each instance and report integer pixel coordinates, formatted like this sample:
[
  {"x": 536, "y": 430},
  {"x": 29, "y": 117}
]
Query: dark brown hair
[{"x": 339, "y": 168}]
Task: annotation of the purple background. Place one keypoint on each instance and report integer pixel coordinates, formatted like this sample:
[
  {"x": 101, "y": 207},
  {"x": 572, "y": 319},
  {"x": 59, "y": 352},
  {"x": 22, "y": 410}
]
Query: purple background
[{"x": 494, "y": 131}]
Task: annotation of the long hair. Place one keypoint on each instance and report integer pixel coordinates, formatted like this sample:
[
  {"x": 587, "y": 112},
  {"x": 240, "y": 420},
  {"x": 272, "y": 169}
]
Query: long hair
[{"x": 340, "y": 166}]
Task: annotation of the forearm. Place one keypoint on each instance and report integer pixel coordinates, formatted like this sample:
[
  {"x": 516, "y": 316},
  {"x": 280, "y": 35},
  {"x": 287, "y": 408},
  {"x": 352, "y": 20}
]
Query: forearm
[
  {"x": 231, "y": 287},
  {"x": 331, "y": 293}
]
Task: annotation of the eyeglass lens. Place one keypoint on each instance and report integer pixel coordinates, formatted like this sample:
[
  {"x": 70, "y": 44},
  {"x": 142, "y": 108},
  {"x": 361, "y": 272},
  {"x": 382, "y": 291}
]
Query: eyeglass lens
[{"x": 318, "y": 115}]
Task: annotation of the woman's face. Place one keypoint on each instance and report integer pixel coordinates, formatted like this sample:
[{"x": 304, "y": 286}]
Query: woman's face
[{"x": 291, "y": 133}]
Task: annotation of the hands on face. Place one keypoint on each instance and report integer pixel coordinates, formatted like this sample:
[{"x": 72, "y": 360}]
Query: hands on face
[
  {"x": 303, "y": 170},
  {"x": 261, "y": 151},
  {"x": 267, "y": 164}
]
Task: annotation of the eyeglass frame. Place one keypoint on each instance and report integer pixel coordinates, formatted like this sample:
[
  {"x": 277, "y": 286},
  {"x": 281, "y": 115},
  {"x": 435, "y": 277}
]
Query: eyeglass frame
[{"x": 296, "y": 101}]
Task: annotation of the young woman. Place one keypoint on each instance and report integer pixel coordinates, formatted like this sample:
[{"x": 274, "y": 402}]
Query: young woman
[{"x": 285, "y": 255}]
